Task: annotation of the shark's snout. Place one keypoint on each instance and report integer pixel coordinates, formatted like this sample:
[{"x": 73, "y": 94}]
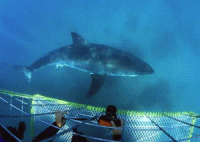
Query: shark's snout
[
  {"x": 149, "y": 70},
  {"x": 144, "y": 69}
]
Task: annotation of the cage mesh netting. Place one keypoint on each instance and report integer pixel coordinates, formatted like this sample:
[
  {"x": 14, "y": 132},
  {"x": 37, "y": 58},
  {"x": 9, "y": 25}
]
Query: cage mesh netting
[{"x": 38, "y": 111}]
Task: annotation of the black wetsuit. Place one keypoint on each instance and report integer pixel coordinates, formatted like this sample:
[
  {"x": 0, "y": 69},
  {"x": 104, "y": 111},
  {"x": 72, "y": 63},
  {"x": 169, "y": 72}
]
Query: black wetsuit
[
  {"x": 77, "y": 138},
  {"x": 6, "y": 136},
  {"x": 19, "y": 133},
  {"x": 117, "y": 124},
  {"x": 50, "y": 131}
]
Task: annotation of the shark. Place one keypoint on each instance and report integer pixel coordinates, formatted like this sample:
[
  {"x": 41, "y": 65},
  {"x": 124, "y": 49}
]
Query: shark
[{"x": 97, "y": 59}]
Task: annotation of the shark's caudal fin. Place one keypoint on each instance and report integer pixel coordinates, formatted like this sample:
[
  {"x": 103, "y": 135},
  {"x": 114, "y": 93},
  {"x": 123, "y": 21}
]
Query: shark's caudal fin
[
  {"x": 25, "y": 70},
  {"x": 97, "y": 83}
]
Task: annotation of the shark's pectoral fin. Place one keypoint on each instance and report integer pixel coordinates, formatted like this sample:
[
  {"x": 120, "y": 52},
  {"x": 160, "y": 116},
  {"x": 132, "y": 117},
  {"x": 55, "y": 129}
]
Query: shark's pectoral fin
[{"x": 97, "y": 83}]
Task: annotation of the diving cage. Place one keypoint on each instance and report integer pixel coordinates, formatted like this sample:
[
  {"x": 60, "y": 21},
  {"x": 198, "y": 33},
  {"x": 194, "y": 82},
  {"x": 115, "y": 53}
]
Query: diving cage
[{"x": 37, "y": 112}]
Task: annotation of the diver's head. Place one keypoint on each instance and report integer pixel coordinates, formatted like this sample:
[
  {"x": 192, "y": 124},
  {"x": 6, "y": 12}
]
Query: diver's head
[{"x": 111, "y": 111}]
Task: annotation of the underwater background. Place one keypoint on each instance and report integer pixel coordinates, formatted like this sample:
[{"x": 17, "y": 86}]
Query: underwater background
[{"x": 166, "y": 34}]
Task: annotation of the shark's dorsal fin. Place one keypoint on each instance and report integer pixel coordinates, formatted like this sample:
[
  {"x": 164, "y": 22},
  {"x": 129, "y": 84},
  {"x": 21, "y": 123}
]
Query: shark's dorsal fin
[{"x": 78, "y": 39}]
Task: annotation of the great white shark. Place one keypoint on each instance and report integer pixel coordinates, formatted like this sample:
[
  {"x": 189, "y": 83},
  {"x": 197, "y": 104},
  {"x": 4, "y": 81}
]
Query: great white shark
[{"x": 97, "y": 59}]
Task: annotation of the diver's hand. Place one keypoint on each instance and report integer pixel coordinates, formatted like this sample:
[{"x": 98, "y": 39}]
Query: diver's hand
[{"x": 60, "y": 121}]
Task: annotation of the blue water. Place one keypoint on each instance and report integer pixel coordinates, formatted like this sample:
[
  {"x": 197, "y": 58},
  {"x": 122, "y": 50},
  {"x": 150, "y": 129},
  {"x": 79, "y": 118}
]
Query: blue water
[{"x": 165, "y": 34}]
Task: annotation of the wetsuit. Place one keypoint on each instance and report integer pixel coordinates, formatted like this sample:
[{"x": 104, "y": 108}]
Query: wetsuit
[
  {"x": 77, "y": 138},
  {"x": 48, "y": 132},
  {"x": 106, "y": 121},
  {"x": 51, "y": 131},
  {"x": 6, "y": 137}
]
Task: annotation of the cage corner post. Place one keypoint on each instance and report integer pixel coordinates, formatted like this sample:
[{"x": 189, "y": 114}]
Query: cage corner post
[{"x": 32, "y": 119}]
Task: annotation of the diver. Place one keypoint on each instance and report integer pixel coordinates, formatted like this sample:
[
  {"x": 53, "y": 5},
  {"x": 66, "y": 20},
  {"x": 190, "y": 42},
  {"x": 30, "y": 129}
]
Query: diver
[
  {"x": 19, "y": 133},
  {"x": 60, "y": 121},
  {"x": 111, "y": 120}
]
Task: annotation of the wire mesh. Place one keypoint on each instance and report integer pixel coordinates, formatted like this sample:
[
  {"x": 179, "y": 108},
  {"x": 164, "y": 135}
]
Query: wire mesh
[{"x": 137, "y": 126}]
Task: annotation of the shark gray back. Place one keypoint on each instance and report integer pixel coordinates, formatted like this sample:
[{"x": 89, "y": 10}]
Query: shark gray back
[{"x": 97, "y": 59}]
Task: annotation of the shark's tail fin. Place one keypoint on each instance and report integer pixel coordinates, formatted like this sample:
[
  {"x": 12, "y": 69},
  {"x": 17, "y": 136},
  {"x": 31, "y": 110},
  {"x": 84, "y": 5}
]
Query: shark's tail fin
[
  {"x": 28, "y": 74},
  {"x": 25, "y": 70},
  {"x": 20, "y": 68}
]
